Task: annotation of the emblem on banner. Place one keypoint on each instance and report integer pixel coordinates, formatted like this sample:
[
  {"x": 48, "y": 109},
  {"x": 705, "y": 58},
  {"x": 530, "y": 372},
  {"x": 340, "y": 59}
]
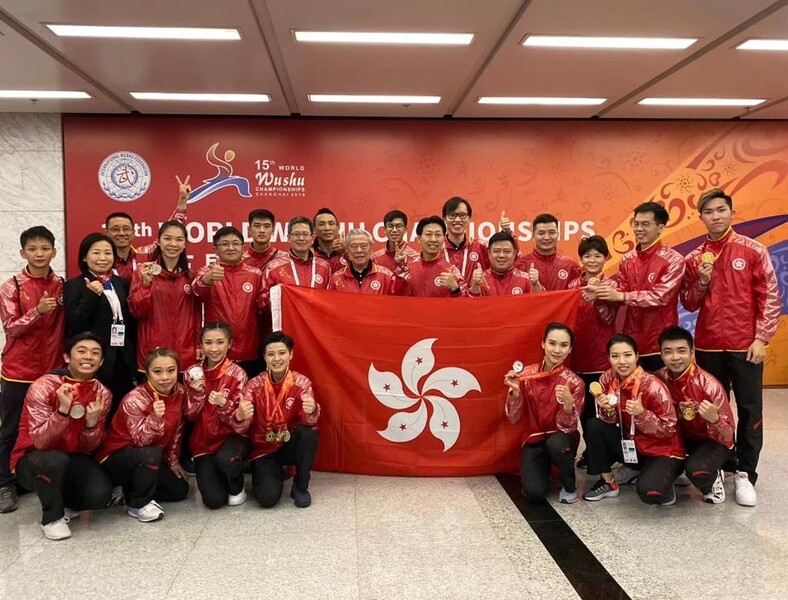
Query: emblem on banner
[
  {"x": 124, "y": 176},
  {"x": 224, "y": 177},
  {"x": 449, "y": 382}
]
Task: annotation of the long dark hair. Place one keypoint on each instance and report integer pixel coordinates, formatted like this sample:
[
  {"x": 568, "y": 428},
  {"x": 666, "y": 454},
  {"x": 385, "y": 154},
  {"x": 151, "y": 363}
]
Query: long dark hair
[
  {"x": 183, "y": 262},
  {"x": 84, "y": 248}
]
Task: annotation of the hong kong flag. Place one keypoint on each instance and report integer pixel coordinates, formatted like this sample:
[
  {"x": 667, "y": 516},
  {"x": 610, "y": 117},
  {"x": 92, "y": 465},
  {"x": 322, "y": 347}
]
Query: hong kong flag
[{"x": 414, "y": 386}]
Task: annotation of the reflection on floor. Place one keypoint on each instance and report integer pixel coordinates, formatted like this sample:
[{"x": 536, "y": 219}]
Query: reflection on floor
[{"x": 378, "y": 537}]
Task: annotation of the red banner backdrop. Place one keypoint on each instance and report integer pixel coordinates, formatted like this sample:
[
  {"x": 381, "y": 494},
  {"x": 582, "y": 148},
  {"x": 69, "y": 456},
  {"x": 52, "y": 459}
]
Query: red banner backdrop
[
  {"x": 589, "y": 174},
  {"x": 415, "y": 387}
]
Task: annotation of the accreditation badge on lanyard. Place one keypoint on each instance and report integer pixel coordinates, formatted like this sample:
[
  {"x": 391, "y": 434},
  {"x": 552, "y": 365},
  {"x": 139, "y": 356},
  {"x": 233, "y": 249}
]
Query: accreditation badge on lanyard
[
  {"x": 628, "y": 445},
  {"x": 117, "y": 332}
]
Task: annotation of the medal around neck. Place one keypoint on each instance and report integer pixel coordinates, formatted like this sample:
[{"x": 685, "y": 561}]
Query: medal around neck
[
  {"x": 612, "y": 399},
  {"x": 77, "y": 411},
  {"x": 708, "y": 257}
]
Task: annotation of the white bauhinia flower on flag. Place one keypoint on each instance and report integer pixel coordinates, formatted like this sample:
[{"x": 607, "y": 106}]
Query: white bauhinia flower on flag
[{"x": 451, "y": 382}]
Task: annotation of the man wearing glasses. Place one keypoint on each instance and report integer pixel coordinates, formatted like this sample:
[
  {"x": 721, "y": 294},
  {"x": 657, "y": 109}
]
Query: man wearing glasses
[
  {"x": 463, "y": 252},
  {"x": 649, "y": 279},
  {"x": 231, "y": 292},
  {"x": 300, "y": 266},
  {"x": 396, "y": 224},
  {"x": 545, "y": 265},
  {"x": 362, "y": 275}
]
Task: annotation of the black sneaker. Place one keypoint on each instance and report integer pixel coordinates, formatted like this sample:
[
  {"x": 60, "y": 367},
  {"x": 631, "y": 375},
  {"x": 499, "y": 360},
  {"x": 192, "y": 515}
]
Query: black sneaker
[
  {"x": 670, "y": 499},
  {"x": 583, "y": 462},
  {"x": 8, "y": 499},
  {"x": 300, "y": 499},
  {"x": 188, "y": 466}
]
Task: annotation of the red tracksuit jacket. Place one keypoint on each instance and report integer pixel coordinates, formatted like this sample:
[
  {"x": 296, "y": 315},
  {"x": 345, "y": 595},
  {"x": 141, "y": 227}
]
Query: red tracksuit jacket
[
  {"x": 595, "y": 325},
  {"x": 510, "y": 283},
  {"x": 137, "y": 256},
  {"x": 467, "y": 256},
  {"x": 421, "y": 278},
  {"x": 386, "y": 258},
  {"x": 555, "y": 270},
  {"x": 379, "y": 281}
]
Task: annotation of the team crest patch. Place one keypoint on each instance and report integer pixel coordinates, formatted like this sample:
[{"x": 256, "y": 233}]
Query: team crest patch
[
  {"x": 318, "y": 278},
  {"x": 343, "y": 261},
  {"x": 289, "y": 402},
  {"x": 517, "y": 291},
  {"x": 739, "y": 264},
  {"x": 124, "y": 176},
  {"x": 474, "y": 256},
  {"x": 563, "y": 274},
  {"x": 247, "y": 287},
  {"x": 375, "y": 285},
  {"x": 187, "y": 288},
  {"x": 437, "y": 281},
  {"x": 651, "y": 277}
]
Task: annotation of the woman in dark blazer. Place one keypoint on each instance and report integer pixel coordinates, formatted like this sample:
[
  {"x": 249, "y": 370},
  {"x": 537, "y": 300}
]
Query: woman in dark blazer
[{"x": 97, "y": 301}]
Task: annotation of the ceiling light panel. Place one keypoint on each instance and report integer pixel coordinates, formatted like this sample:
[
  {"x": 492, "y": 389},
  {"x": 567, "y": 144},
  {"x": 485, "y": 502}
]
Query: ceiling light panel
[
  {"x": 148, "y": 33},
  {"x": 617, "y": 43},
  {"x": 368, "y": 37}
]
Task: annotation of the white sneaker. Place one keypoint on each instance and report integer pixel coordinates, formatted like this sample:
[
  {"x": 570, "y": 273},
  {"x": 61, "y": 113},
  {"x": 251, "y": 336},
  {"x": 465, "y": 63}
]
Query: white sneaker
[
  {"x": 626, "y": 475},
  {"x": 717, "y": 493},
  {"x": 745, "y": 492},
  {"x": 150, "y": 512},
  {"x": 237, "y": 499},
  {"x": 57, "y": 530},
  {"x": 682, "y": 481},
  {"x": 70, "y": 514},
  {"x": 565, "y": 497}
]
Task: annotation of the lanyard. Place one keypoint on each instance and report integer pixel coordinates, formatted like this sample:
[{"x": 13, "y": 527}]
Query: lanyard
[
  {"x": 295, "y": 273},
  {"x": 636, "y": 378},
  {"x": 464, "y": 259}
]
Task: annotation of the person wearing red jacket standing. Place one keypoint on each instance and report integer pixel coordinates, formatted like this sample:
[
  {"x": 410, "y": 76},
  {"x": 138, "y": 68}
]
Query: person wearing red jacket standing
[
  {"x": 260, "y": 251},
  {"x": 31, "y": 309},
  {"x": 649, "y": 280},
  {"x": 705, "y": 415},
  {"x": 162, "y": 299},
  {"x": 214, "y": 389},
  {"x": 546, "y": 265},
  {"x": 120, "y": 228},
  {"x": 232, "y": 293},
  {"x": 63, "y": 422},
  {"x": 301, "y": 266},
  {"x": 284, "y": 426},
  {"x": 635, "y": 425},
  {"x": 362, "y": 275},
  {"x": 731, "y": 281},
  {"x": 431, "y": 276},
  {"x": 328, "y": 243},
  {"x": 502, "y": 278},
  {"x": 395, "y": 222},
  {"x": 549, "y": 398},
  {"x": 463, "y": 252},
  {"x": 142, "y": 450},
  {"x": 595, "y": 324}
]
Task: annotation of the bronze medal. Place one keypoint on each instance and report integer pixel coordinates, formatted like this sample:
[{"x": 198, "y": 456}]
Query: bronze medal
[
  {"x": 270, "y": 436},
  {"x": 688, "y": 413},
  {"x": 77, "y": 411}
]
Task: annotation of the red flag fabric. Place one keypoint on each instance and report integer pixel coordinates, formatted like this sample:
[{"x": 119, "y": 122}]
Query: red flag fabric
[{"x": 414, "y": 386}]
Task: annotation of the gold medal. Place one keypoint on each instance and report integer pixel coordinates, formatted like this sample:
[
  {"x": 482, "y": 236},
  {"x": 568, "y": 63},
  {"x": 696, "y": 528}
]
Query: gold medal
[
  {"x": 280, "y": 437},
  {"x": 286, "y": 436},
  {"x": 595, "y": 388},
  {"x": 77, "y": 411},
  {"x": 708, "y": 257},
  {"x": 270, "y": 436},
  {"x": 155, "y": 269},
  {"x": 688, "y": 413}
]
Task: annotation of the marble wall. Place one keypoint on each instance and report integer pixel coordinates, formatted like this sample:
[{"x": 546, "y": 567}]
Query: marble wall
[{"x": 31, "y": 185}]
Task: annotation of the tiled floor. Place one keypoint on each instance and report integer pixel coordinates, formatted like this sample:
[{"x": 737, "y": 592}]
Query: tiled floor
[{"x": 378, "y": 537}]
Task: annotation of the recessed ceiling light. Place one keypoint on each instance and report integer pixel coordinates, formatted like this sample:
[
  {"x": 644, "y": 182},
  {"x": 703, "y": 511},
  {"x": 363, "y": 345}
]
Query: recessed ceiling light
[
  {"x": 151, "y": 33},
  {"x": 201, "y": 97},
  {"x": 540, "y": 101},
  {"x": 629, "y": 43},
  {"x": 764, "y": 45},
  {"x": 375, "y": 99},
  {"x": 44, "y": 94},
  {"x": 370, "y": 37},
  {"x": 702, "y": 101}
]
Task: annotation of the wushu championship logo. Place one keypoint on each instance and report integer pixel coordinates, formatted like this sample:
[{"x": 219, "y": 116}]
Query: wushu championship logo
[
  {"x": 451, "y": 382},
  {"x": 224, "y": 177},
  {"x": 124, "y": 176}
]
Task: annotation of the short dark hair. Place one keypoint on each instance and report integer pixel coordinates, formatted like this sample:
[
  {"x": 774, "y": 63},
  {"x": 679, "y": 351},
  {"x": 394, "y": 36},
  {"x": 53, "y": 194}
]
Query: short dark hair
[
  {"x": 300, "y": 221},
  {"x": 217, "y": 326},
  {"x": 622, "y": 338},
  {"x": 544, "y": 219},
  {"x": 263, "y": 214},
  {"x": 502, "y": 236},
  {"x": 713, "y": 194},
  {"x": 226, "y": 231},
  {"x": 81, "y": 337},
  {"x": 277, "y": 337},
  {"x": 395, "y": 214},
  {"x": 87, "y": 243},
  {"x": 36, "y": 232},
  {"x": 675, "y": 334},
  {"x": 117, "y": 215},
  {"x": 453, "y": 203},
  {"x": 325, "y": 211},
  {"x": 660, "y": 214},
  {"x": 593, "y": 242},
  {"x": 433, "y": 220},
  {"x": 556, "y": 326},
  {"x": 158, "y": 353}
]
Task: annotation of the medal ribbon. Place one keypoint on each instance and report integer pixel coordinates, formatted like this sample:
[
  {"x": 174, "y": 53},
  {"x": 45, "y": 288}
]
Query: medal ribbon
[
  {"x": 274, "y": 403},
  {"x": 216, "y": 372},
  {"x": 635, "y": 379}
]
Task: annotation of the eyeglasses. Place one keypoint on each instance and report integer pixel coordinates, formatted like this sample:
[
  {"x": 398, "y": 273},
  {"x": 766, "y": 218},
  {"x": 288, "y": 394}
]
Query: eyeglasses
[
  {"x": 226, "y": 245},
  {"x": 300, "y": 235},
  {"x": 642, "y": 224},
  {"x": 454, "y": 216},
  {"x": 395, "y": 226},
  {"x": 362, "y": 246}
]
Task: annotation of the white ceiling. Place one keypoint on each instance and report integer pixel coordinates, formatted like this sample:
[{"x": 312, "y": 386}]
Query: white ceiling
[{"x": 269, "y": 60}]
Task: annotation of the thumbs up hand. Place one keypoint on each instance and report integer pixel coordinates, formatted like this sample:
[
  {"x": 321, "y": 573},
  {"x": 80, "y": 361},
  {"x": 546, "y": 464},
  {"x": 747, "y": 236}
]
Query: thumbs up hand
[
  {"x": 504, "y": 222},
  {"x": 533, "y": 275},
  {"x": 478, "y": 275},
  {"x": 46, "y": 304}
]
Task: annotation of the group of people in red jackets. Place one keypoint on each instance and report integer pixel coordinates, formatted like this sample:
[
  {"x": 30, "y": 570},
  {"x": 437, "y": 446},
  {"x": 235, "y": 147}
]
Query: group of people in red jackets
[{"x": 142, "y": 373}]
